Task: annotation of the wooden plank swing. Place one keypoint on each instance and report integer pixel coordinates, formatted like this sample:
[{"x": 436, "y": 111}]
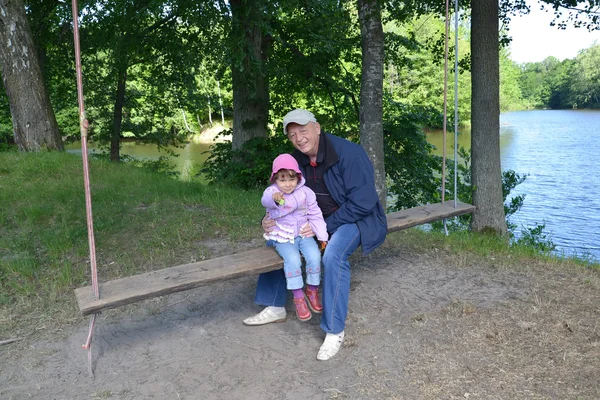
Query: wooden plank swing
[
  {"x": 135, "y": 288},
  {"x": 128, "y": 290}
]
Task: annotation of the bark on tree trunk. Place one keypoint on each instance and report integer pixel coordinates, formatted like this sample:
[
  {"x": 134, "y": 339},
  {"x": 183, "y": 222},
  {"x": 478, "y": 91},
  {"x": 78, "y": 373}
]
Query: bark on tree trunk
[
  {"x": 371, "y": 91},
  {"x": 115, "y": 137},
  {"x": 250, "y": 83},
  {"x": 34, "y": 122},
  {"x": 485, "y": 106}
]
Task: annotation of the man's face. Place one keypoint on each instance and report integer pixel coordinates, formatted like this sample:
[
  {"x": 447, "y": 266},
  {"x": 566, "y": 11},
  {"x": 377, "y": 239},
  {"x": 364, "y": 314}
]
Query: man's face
[{"x": 305, "y": 137}]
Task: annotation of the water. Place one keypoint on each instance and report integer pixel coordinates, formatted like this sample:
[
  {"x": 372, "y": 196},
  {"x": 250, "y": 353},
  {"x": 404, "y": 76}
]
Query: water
[
  {"x": 188, "y": 157},
  {"x": 559, "y": 150}
]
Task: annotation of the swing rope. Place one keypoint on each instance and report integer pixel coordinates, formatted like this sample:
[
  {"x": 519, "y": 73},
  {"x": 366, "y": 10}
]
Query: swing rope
[
  {"x": 83, "y": 126},
  {"x": 455, "y": 103},
  {"x": 446, "y": 40}
]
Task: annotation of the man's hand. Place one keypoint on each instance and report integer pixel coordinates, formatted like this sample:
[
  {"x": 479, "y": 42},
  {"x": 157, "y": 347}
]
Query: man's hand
[
  {"x": 306, "y": 231},
  {"x": 267, "y": 223}
]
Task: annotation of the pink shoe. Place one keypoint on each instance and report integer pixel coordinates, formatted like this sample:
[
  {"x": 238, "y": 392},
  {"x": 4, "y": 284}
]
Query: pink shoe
[
  {"x": 302, "y": 310},
  {"x": 313, "y": 300}
]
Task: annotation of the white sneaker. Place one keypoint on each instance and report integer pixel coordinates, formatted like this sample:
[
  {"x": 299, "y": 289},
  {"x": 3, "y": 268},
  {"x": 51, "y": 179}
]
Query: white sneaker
[
  {"x": 331, "y": 345},
  {"x": 266, "y": 316}
]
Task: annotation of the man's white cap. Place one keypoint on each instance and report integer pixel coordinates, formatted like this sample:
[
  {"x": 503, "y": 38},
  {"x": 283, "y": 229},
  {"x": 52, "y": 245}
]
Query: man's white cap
[{"x": 298, "y": 116}]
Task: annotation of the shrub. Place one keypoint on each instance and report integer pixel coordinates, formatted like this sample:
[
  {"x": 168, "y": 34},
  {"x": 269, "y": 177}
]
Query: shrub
[{"x": 247, "y": 168}]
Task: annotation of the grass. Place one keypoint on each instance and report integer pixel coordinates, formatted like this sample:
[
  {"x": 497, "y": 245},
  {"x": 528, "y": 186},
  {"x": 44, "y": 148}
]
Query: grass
[
  {"x": 142, "y": 221},
  {"x": 491, "y": 247}
]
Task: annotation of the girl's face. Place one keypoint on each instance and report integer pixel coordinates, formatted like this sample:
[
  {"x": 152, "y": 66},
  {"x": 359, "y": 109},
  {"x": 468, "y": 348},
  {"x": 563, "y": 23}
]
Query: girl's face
[{"x": 286, "y": 183}]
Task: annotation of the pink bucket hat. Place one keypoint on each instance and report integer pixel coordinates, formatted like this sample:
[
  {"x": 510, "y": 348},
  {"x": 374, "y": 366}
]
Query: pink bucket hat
[{"x": 284, "y": 161}]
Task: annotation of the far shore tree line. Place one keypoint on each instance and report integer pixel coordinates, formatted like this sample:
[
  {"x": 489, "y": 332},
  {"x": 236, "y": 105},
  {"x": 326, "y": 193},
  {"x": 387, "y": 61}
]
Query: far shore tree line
[
  {"x": 554, "y": 84},
  {"x": 371, "y": 70}
]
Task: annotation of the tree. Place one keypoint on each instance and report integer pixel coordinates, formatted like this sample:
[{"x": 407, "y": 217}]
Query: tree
[
  {"x": 485, "y": 108},
  {"x": 34, "y": 123},
  {"x": 143, "y": 55},
  {"x": 371, "y": 91},
  {"x": 248, "y": 71},
  {"x": 586, "y": 78},
  {"x": 510, "y": 92}
]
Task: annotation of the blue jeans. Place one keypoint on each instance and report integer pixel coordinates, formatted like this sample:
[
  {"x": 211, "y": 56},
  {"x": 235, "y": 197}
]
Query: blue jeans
[
  {"x": 271, "y": 287},
  {"x": 292, "y": 263}
]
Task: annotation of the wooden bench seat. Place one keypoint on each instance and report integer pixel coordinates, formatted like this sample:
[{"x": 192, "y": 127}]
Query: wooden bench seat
[{"x": 134, "y": 288}]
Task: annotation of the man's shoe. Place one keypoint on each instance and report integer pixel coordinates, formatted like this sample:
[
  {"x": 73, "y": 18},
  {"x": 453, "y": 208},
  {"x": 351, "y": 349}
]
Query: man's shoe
[
  {"x": 266, "y": 316},
  {"x": 302, "y": 310},
  {"x": 312, "y": 297},
  {"x": 331, "y": 345}
]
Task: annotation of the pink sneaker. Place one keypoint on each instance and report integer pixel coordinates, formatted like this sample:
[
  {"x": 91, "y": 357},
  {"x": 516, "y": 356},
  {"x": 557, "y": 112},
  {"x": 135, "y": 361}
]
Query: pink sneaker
[
  {"x": 302, "y": 310},
  {"x": 314, "y": 303}
]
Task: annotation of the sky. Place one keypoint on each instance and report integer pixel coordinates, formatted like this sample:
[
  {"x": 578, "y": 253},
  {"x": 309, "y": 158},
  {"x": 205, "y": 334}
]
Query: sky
[{"x": 534, "y": 39}]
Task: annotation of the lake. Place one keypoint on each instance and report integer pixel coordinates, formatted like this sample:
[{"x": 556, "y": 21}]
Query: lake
[
  {"x": 558, "y": 150},
  {"x": 192, "y": 154}
]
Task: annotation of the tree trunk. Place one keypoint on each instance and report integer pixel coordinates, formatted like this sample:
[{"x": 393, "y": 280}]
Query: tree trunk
[
  {"x": 485, "y": 107},
  {"x": 115, "y": 137},
  {"x": 34, "y": 122},
  {"x": 371, "y": 90},
  {"x": 248, "y": 75}
]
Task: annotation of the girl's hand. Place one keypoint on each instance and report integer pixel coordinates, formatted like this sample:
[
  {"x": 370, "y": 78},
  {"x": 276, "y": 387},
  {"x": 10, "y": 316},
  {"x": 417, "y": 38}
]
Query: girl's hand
[
  {"x": 278, "y": 198},
  {"x": 322, "y": 246}
]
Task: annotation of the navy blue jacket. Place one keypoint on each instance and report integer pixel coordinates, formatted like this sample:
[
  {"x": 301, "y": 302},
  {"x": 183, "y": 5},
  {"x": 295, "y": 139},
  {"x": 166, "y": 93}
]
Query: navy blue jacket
[{"x": 349, "y": 176}]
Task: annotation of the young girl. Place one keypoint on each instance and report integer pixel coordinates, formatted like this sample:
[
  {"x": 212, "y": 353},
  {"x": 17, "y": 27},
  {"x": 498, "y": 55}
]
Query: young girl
[{"x": 293, "y": 205}]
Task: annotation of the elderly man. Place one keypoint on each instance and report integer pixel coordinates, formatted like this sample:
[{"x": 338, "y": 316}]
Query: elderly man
[{"x": 341, "y": 175}]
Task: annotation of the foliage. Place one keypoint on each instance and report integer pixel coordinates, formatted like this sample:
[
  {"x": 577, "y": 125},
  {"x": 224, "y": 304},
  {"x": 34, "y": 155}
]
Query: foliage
[
  {"x": 579, "y": 13},
  {"x": 6, "y": 139},
  {"x": 410, "y": 167},
  {"x": 316, "y": 65},
  {"x": 536, "y": 238},
  {"x": 511, "y": 97},
  {"x": 510, "y": 180},
  {"x": 585, "y": 78},
  {"x": 571, "y": 83},
  {"x": 6, "y": 128},
  {"x": 248, "y": 167}
]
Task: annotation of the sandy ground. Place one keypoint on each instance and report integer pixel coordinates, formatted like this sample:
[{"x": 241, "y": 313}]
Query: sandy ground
[{"x": 421, "y": 326}]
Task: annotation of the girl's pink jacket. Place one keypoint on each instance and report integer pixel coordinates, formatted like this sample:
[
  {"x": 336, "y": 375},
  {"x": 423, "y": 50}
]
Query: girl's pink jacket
[{"x": 299, "y": 209}]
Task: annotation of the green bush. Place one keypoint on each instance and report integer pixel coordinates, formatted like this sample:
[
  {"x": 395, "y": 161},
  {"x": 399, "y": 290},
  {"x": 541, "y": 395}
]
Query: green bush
[
  {"x": 247, "y": 168},
  {"x": 6, "y": 137},
  {"x": 536, "y": 238},
  {"x": 411, "y": 168}
]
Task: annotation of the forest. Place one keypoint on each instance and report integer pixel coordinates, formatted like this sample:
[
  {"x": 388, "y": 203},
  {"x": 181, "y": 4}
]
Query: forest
[{"x": 554, "y": 84}]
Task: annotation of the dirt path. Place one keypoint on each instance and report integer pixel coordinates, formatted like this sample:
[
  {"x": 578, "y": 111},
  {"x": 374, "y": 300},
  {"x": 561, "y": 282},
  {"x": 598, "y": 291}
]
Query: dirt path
[{"x": 421, "y": 326}]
